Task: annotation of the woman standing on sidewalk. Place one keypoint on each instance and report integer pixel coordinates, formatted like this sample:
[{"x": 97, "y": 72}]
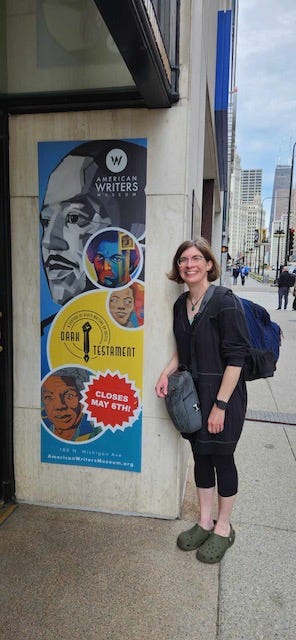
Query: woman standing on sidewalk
[{"x": 220, "y": 347}]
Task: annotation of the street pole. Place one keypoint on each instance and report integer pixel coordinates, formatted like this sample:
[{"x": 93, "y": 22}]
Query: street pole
[
  {"x": 260, "y": 233},
  {"x": 262, "y": 269},
  {"x": 277, "y": 258},
  {"x": 287, "y": 254},
  {"x": 278, "y": 234},
  {"x": 258, "y": 258}
]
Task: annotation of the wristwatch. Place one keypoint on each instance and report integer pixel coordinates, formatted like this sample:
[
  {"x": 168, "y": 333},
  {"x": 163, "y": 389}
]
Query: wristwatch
[{"x": 221, "y": 404}]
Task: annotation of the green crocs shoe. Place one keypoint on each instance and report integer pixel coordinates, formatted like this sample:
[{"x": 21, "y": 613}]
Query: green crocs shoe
[
  {"x": 215, "y": 547},
  {"x": 193, "y": 538}
]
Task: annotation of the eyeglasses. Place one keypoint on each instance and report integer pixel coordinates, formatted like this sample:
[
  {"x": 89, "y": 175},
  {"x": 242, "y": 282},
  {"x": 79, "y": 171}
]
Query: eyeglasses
[{"x": 183, "y": 262}]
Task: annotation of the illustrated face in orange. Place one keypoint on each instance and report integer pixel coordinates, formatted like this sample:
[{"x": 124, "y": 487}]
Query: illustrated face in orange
[
  {"x": 109, "y": 264},
  {"x": 61, "y": 402},
  {"x": 122, "y": 305}
]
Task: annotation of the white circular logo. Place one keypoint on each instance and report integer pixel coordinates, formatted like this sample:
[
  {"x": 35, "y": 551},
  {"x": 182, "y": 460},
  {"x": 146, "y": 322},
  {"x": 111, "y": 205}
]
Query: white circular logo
[{"x": 116, "y": 160}]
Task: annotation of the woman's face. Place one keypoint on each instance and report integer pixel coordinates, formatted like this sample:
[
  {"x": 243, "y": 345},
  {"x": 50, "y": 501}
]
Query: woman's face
[
  {"x": 121, "y": 305},
  {"x": 61, "y": 403},
  {"x": 193, "y": 267}
]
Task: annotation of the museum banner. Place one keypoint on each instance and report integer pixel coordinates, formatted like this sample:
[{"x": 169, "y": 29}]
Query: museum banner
[{"x": 92, "y": 239}]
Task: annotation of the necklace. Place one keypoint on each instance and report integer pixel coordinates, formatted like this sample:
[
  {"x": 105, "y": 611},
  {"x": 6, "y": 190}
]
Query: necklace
[{"x": 196, "y": 301}]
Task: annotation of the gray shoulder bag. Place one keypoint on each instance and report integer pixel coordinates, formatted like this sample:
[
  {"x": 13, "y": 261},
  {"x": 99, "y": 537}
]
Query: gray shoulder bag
[{"x": 182, "y": 401}]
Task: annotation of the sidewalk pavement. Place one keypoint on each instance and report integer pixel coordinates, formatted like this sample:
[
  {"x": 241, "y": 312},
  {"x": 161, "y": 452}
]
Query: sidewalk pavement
[{"x": 69, "y": 574}]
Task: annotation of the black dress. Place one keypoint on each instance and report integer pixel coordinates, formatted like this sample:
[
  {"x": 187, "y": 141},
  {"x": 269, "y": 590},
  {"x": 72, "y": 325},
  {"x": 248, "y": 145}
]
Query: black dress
[{"x": 217, "y": 337}]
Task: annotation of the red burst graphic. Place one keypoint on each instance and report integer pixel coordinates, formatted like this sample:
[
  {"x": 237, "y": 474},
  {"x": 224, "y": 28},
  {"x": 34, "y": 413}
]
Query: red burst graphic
[{"x": 111, "y": 400}]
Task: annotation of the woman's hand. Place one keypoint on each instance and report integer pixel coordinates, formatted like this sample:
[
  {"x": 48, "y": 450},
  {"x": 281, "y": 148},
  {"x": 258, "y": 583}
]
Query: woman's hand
[
  {"x": 161, "y": 386},
  {"x": 229, "y": 381},
  {"x": 216, "y": 420}
]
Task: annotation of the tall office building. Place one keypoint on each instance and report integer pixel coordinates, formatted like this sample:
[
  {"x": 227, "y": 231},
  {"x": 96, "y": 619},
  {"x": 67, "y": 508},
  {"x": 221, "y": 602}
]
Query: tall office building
[
  {"x": 234, "y": 220},
  {"x": 244, "y": 210},
  {"x": 251, "y": 184},
  {"x": 252, "y": 216},
  {"x": 280, "y": 193}
]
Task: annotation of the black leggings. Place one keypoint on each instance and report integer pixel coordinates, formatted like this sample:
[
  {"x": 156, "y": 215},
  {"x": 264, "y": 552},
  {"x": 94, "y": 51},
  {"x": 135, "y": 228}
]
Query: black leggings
[{"x": 226, "y": 473}]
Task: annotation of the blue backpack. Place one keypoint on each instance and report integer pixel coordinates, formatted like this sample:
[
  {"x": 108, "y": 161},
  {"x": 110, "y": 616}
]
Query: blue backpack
[
  {"x": 265, "y": 339},
  {"x": 264, "y": 335}
]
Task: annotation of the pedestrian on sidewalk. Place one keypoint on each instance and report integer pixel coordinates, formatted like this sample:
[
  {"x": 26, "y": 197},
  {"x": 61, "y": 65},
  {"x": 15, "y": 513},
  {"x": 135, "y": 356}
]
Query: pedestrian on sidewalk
[
  {"x": 219, "y": 357},
  {"x": 235, "y": 272},
  {"x": 285, "y": 281},
  {"x": 242, "y": 274}
]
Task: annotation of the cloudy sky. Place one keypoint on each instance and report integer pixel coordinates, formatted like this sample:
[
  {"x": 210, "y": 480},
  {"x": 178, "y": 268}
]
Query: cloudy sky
[{"x": 266, "y": 82}]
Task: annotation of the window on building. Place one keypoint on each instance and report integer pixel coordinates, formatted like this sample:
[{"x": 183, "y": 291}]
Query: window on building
[{"x": 57, "y": 45}]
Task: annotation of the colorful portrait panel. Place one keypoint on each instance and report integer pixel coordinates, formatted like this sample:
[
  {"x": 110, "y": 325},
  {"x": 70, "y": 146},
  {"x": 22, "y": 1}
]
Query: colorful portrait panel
[
  {"x": 112, "y": 258},
  {"x": 126, "y": 306},
  {"x": 92, "y": 277}
]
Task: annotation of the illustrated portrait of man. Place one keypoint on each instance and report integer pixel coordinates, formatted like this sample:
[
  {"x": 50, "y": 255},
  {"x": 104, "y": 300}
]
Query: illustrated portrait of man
[
  {"x": 127, "y": 306},
  {"x": 116, "y": 258},
  {"x": 61, "y": 406},
  {"x": 90, "y": 189}
]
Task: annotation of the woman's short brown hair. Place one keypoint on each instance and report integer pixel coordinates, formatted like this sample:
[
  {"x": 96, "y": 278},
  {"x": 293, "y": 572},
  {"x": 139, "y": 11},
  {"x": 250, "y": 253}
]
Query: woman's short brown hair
[{"x": 202, "y": 245}]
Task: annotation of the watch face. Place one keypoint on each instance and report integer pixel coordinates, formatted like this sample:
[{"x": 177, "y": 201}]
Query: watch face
[{"x": 221, "y": 404}]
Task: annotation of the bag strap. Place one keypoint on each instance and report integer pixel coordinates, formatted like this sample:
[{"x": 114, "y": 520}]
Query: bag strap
[{"x": 211, "y": 305}]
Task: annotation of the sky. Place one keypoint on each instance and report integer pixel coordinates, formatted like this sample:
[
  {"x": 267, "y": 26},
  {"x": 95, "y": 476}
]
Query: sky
[{"x": 266, "y": 84}]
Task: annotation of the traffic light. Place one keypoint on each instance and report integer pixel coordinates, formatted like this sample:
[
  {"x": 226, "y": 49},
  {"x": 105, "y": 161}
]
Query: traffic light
[{"x": 291, "y": 241}]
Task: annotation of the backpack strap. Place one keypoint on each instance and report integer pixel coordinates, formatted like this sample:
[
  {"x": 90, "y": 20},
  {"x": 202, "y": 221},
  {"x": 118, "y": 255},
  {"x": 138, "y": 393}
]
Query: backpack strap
[
  {"x": 215, "y": 303},
  {"x": 211, "y": 306}
]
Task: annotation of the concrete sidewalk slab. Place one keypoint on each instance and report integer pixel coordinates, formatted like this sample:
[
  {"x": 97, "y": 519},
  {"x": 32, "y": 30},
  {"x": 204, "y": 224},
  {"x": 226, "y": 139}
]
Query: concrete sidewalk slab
[
  {"x": 267, "y": 479},
  {"x": 291, "y": 437},
  {"x": 76, "y": 574},
  {"x": 258, "y": 580},
  {"x": 257, "y": 586}
]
